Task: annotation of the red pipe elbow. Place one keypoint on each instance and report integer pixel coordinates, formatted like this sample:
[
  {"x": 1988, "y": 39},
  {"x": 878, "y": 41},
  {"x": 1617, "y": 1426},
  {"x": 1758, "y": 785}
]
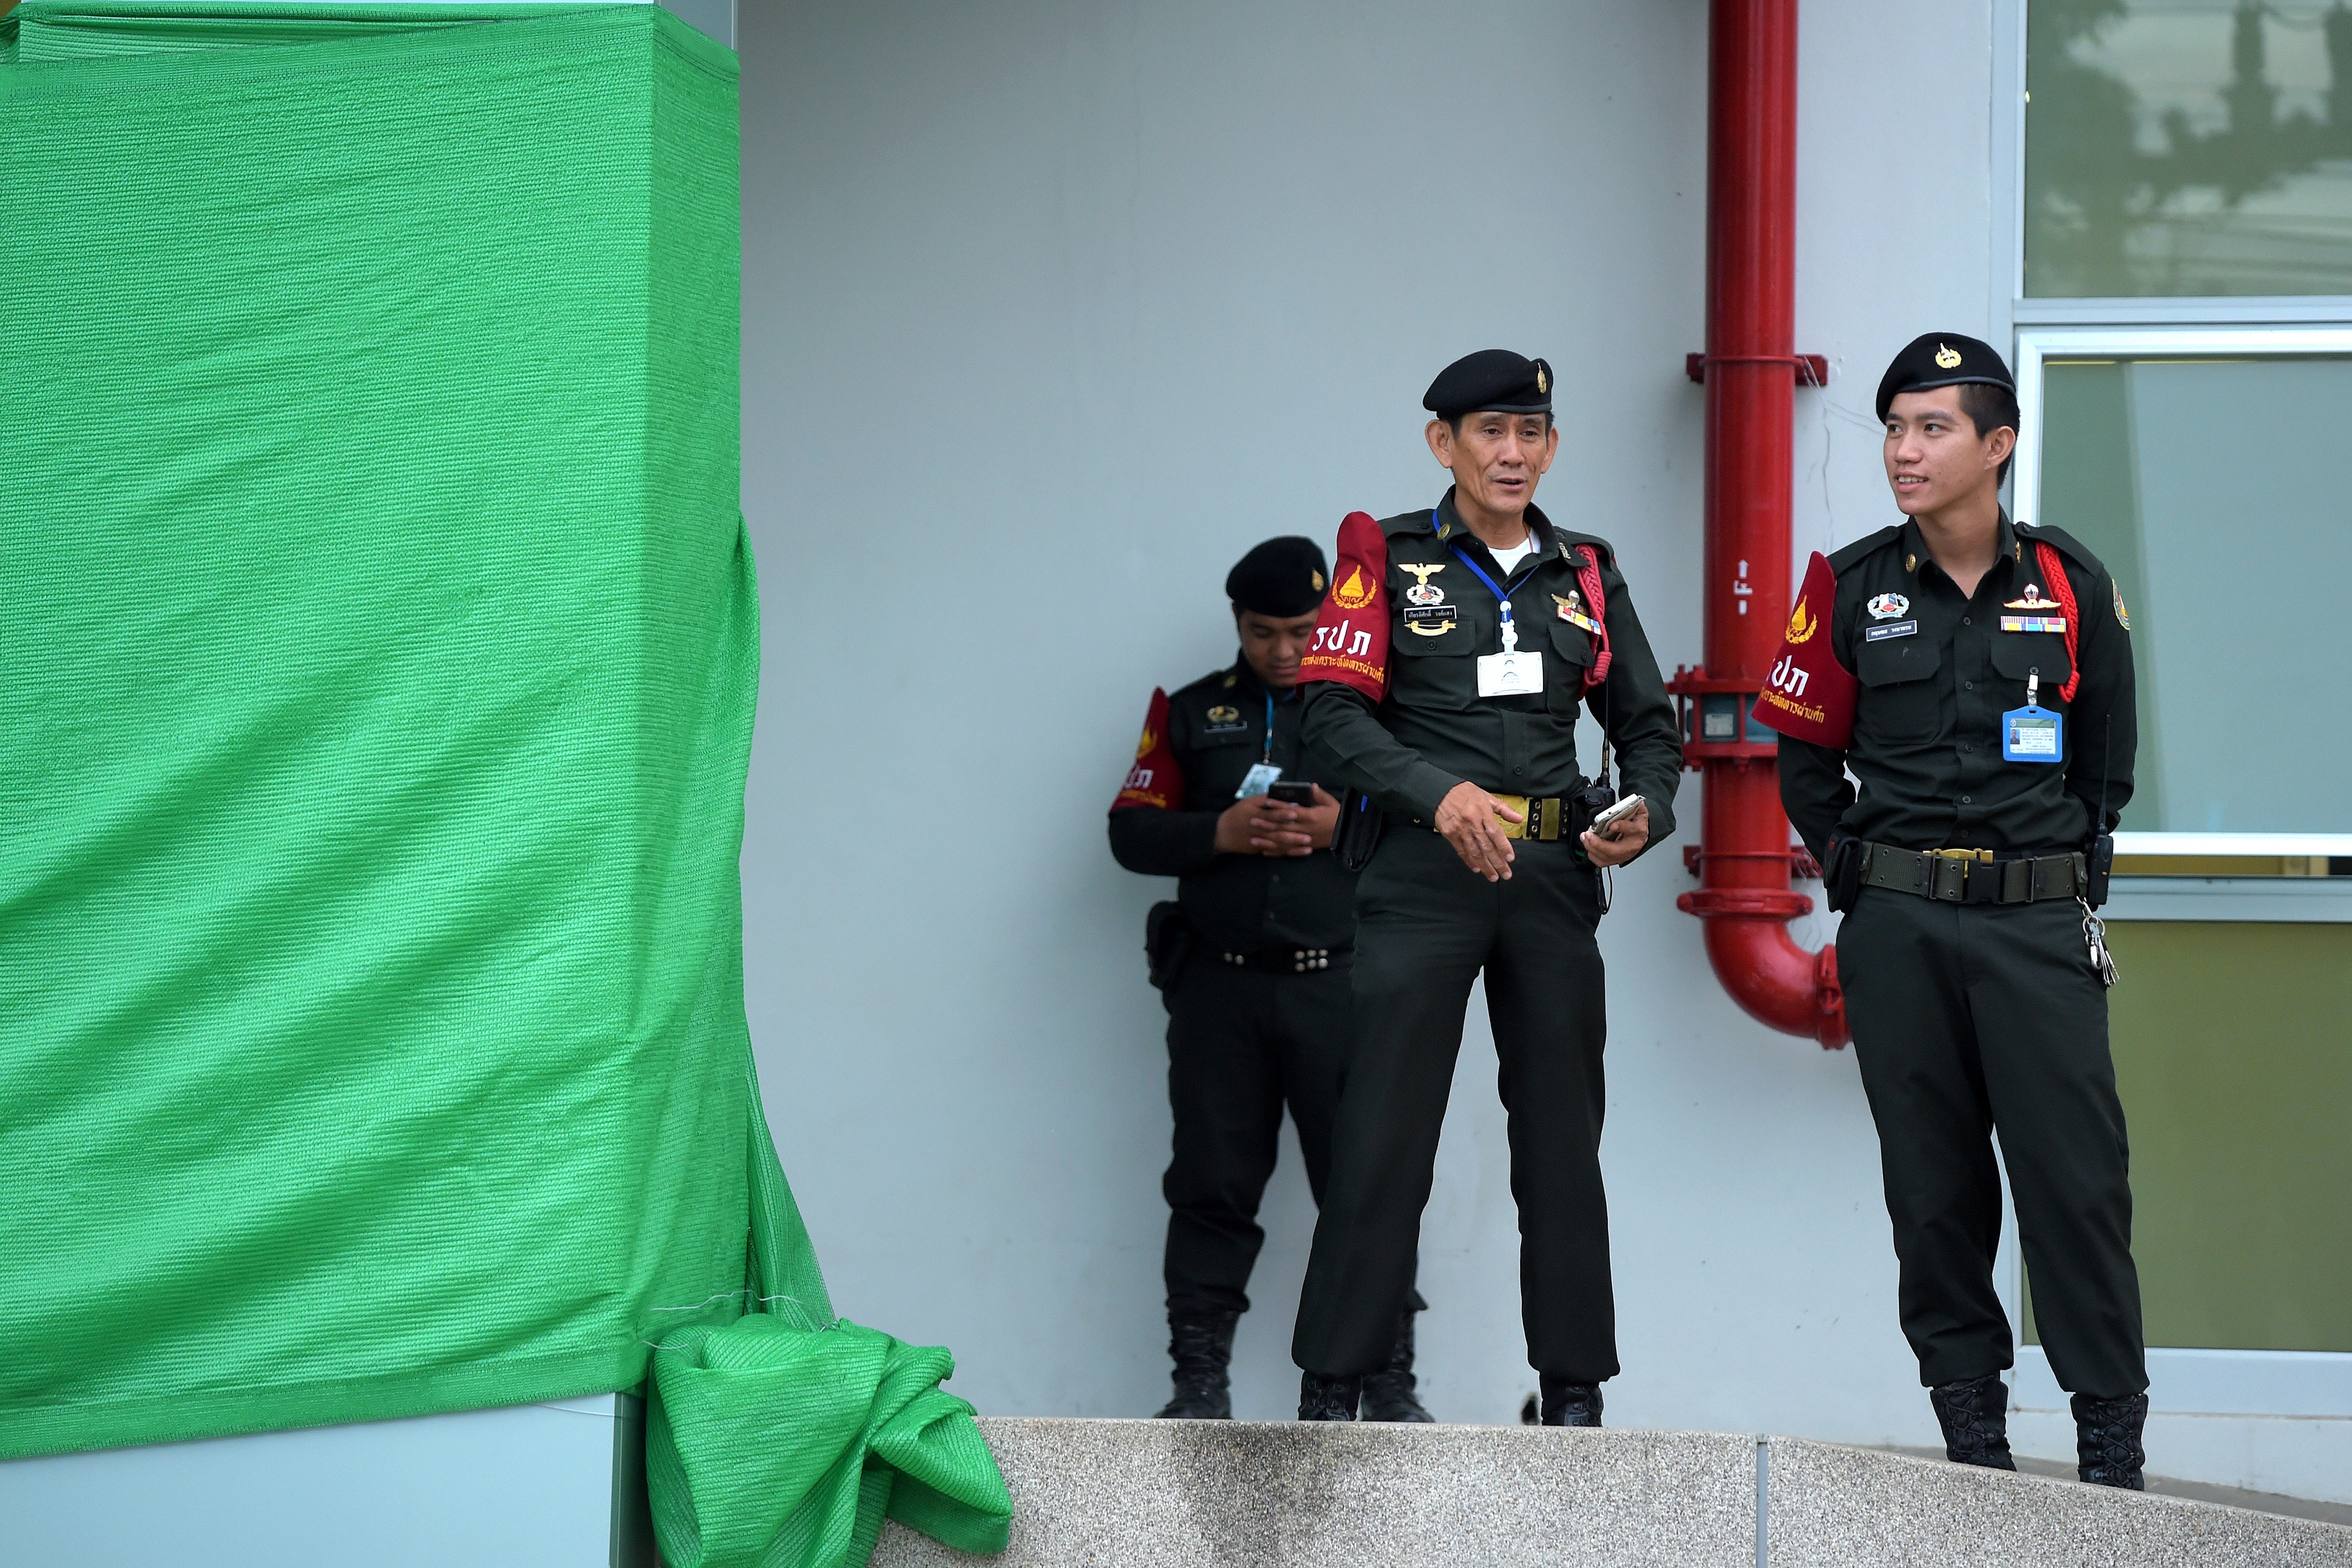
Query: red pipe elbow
[{"x": 1775, "y": 981}]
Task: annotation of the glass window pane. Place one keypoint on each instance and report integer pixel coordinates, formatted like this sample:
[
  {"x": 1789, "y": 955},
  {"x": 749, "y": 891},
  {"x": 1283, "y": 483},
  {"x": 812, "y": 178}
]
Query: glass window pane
[
  {"x": 2188, "y": 147},
  {"x": 2231, "y": 1060},
  {"x": 2213, "y": 490}
]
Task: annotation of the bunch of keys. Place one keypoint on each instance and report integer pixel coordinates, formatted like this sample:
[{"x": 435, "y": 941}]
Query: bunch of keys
[{"x": 2095, "y": 937}]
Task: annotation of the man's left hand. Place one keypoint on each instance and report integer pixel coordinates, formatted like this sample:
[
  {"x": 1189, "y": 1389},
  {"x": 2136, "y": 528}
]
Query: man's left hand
[{"x": 1624, "y": 840}]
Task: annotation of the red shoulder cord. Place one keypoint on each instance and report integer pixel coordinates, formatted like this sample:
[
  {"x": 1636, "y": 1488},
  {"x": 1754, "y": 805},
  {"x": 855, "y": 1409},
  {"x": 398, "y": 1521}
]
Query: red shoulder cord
[
  {"x": 1588, "y": 578},
  {"x": 2055, "y": 568}
]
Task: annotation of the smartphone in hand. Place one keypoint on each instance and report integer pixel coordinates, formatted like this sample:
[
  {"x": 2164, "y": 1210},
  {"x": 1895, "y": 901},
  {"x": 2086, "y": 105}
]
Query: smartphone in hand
[
  {"x": 1291, "y": 792},
  {"x": 1605, "y": 820}
]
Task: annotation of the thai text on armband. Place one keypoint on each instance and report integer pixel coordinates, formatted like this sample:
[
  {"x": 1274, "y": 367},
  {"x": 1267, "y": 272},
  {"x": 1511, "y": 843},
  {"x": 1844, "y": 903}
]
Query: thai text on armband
[{"x": 1344, "y": 639}]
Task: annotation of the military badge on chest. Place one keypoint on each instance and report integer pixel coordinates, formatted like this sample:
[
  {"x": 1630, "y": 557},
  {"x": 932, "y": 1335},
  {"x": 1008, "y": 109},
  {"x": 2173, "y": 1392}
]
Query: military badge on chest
[
  {"x": 2040, "y": 615},
  {"x": 1426, "y": 612},
  {"x": 1224, "y": 720},
  {"x": 1573, "y": 611}
]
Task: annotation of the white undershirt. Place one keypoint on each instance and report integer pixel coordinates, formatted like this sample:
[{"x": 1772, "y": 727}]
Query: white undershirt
[{"x": 1508, "y": 559}]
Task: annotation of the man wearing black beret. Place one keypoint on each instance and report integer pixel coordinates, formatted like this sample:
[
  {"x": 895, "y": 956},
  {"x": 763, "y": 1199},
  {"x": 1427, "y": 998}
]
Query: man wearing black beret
[
  {"x": 1253, "y": 959},
  {"x": 1987, "y": 667},
  {"x": 1455, "y": 649}
]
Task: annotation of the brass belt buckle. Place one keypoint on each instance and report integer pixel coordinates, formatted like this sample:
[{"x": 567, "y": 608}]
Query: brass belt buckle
[{"x": 1522, "y": 829}]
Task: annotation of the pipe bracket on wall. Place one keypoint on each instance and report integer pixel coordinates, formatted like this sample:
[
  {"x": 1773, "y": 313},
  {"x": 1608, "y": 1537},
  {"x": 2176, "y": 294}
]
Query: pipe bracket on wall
[{"x": 1810, "y": 370}]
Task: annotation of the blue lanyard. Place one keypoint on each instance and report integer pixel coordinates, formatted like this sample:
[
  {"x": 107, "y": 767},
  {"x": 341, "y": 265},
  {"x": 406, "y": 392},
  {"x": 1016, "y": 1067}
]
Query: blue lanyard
[
  {"x": 1269, "y": 727},
  {"x": 1476, "y": 571}
]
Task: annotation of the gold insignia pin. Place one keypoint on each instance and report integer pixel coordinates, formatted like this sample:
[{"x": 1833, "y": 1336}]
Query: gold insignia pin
[
  {"x": 1319, "y": 581},
  {"x": 1543, "y": 382},
  {"x": 1947, "y": 356},
  {"x": 1910, "y": 563}
]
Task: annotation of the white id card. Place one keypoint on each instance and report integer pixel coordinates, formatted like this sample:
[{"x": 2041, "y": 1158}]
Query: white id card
[
  {"x": 1510, "y": 674},
  {"x": 1257, "y": 781}
]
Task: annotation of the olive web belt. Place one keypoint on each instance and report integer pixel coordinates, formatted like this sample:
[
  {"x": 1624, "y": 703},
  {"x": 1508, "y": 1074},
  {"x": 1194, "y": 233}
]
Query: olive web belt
[{"x": 1973, "y": 876}]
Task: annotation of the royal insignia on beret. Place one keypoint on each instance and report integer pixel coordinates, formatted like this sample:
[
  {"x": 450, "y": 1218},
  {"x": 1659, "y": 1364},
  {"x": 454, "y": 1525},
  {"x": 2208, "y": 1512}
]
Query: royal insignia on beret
[
  {"x": 1280, "y": 577},
  {"x": 1947, "y": 356}
]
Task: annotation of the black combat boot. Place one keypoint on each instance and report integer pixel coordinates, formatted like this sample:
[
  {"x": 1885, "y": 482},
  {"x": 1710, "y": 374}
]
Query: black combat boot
[
  {"x": 1388, "y": 1392},
  {"x": 1324, "y": 1398},
  {"x": 1567, "y": 1404},
  {"x": 1975, "y": 1417},
  {"x": 1201, "y": 1343},
  {"x": 2107, "y": 1440}
]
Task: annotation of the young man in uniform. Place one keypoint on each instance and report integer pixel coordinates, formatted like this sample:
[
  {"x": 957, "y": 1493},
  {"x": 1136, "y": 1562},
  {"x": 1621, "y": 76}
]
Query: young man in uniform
[
  {"x": 1253, "y": 959},
  {"x": 1453, "y": 652},
  {"x": 1988, "y": 671}
]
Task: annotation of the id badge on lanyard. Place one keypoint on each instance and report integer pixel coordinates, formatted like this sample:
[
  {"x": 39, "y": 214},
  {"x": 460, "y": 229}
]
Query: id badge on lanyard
[
  {"x": 1262, "y": 772},
  {"x": 1509, "y": 673},
  {"x": 2032, "y": 733}
]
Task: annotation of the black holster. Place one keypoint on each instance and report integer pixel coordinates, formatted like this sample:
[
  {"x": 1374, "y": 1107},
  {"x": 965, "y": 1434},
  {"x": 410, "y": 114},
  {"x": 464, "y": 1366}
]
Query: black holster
[
  {"x": 1167, "y": 938},
  {"x": 1358, "y": 832}
]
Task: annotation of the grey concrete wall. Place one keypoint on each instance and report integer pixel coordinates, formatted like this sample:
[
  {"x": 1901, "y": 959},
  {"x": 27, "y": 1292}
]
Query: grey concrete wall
[{"x": 1050, "y": 309}]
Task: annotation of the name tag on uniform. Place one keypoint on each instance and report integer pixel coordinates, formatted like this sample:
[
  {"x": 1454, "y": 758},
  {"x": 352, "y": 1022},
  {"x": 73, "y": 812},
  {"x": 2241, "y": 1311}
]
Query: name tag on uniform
[
  {"x": 1510, "y": 675},
  {"x": 1895, "y": 629},
  {"x": 2031, "y": 734}
]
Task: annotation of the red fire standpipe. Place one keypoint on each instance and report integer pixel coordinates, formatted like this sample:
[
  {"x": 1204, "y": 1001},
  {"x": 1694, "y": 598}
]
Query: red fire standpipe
[{"x": 1751, "y": 372}]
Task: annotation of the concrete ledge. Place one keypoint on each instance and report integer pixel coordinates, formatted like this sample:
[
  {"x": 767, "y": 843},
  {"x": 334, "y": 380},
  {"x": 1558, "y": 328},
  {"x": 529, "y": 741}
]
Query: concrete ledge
[
  {"x": 1178, "y": 1494},
  {"x": 1206, "y": 1494},
  {"x": 1832, "y": 1506}
]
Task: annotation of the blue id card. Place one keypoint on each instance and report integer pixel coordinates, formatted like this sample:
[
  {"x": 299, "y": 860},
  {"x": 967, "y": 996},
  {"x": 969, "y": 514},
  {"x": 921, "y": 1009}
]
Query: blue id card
[{"x": 2031, "y": 734}]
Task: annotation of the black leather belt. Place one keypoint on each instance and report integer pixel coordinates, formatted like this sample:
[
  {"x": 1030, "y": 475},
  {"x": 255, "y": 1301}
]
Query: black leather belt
[
  {"x": 1973, "y": 876},
  {"x": 1287, "y": 960}
]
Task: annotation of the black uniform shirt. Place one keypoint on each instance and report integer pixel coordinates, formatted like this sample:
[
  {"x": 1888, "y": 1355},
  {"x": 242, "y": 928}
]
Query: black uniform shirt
[
  {"x": 1433, "y": 730},
  {"x": 1927, "y": 718},
  {"x": 1216, "y": 733}
]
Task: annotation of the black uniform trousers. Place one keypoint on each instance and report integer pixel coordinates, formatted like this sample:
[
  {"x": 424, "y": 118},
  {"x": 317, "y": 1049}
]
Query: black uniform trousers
[
  {"x": 1973, "y": 1019},
  {"x": 1425, "y": 927},
  {"x": 1242, "y": 1045}
]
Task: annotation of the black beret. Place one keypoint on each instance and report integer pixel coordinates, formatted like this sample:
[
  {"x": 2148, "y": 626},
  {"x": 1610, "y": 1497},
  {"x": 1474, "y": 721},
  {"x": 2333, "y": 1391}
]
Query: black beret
[
  {"x": 1493, "y": 379},
  {"x": 1281, "y": 577},
  {"x": 1941, "y": 359}
]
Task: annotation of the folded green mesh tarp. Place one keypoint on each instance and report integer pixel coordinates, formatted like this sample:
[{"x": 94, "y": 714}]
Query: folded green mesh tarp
[{"x": 378, "y": 652}]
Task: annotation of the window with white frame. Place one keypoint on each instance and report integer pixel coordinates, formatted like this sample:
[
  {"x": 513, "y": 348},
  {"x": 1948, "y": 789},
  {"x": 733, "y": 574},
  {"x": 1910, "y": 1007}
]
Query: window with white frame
[{"x": 2175, "y": 264}]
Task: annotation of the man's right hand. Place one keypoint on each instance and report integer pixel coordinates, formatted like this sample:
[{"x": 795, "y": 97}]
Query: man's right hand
[{"x": 1472, "y": 821}]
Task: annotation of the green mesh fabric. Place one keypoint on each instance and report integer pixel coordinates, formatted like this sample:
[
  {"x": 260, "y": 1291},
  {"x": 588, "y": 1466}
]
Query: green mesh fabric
[{"x": 377, "y": 669}]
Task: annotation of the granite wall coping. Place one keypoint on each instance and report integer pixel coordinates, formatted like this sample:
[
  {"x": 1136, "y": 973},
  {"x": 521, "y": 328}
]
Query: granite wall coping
[{"x": 1207, "y": 1494}]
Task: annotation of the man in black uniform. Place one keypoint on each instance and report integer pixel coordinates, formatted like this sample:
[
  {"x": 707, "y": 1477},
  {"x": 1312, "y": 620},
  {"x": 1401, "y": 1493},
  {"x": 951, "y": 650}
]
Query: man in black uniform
[
  {"x": 1452, "y": 655},
  {"x": 1254, "y": 957},
  {"x": 1993, "y": 731}
]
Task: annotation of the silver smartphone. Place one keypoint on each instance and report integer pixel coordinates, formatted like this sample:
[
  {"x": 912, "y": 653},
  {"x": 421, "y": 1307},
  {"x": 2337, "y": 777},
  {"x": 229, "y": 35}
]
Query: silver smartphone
[{"x": 1604, "y": 821}]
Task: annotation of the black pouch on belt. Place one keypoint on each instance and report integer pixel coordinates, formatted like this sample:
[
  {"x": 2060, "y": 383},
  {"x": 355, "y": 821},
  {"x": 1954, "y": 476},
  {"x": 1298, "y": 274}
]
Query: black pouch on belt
[
  {"x": 1841, "y": 873},
  {"x": 1358, "y": 832},
  {"x": 2102, "y": 868},
  {"x": 1167, "y": 938}
]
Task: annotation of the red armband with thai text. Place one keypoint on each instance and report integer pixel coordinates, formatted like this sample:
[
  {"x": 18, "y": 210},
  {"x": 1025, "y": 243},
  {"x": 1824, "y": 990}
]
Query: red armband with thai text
[
  {"x": 1810, "y": 694},
  {"x": 1155, "y": 781},
  {"x": 1351, "y": 631}
]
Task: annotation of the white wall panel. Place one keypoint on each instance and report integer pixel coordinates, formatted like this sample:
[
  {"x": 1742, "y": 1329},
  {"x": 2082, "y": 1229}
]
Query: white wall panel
[{"x": 1050, "y": 310}]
